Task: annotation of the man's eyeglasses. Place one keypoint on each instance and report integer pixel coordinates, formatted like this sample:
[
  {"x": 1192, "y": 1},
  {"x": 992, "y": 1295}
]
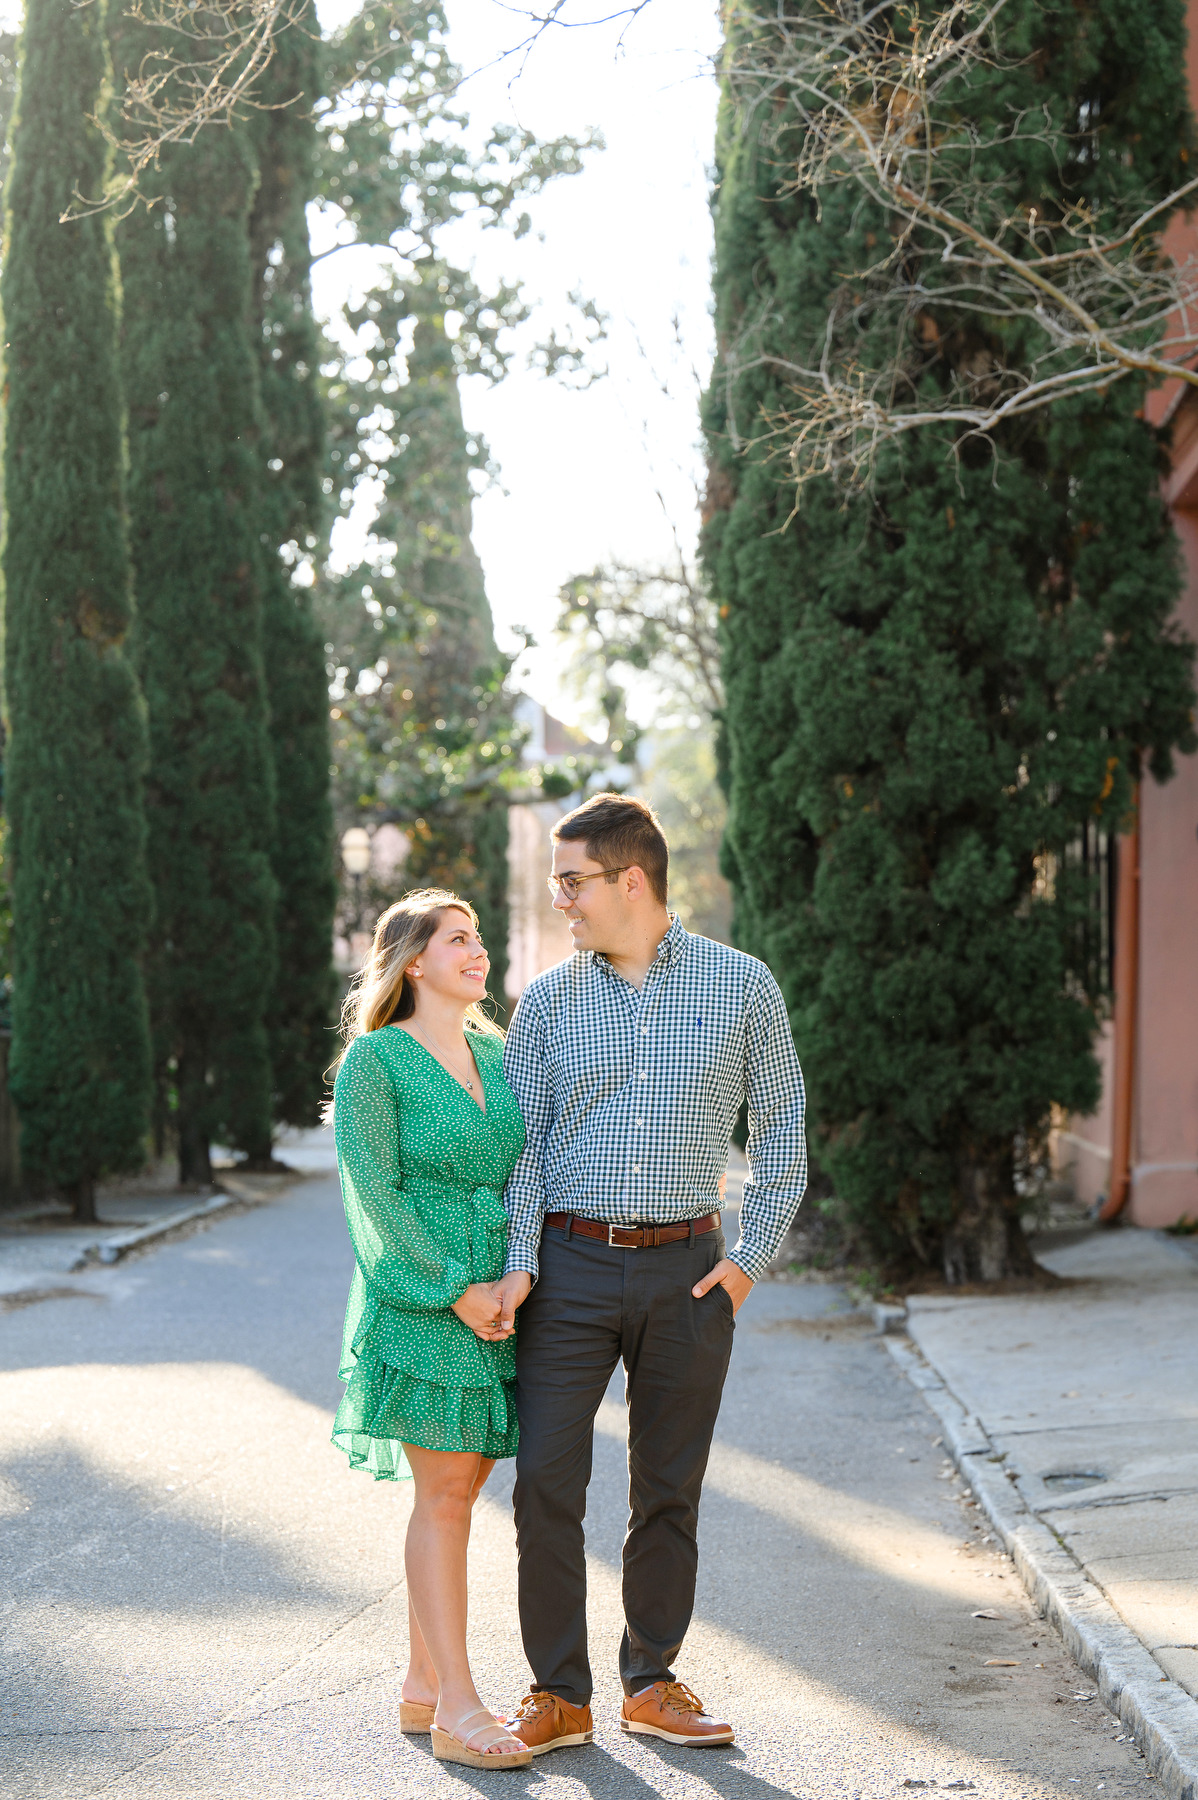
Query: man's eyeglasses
[{"x": 570, "y": 884}]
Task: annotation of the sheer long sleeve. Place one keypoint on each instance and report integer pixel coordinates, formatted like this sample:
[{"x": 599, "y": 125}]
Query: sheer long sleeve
[
  {"x": 401, "y": 1262},
  {"x": 526, "y": 1075}
]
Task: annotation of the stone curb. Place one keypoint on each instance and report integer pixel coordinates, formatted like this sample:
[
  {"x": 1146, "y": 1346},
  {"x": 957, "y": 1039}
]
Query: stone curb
[
  {"x": 1161, "y": 1714},
  {"x": 111, "y": 1249},
  {"x": 234, "y": 1192}
]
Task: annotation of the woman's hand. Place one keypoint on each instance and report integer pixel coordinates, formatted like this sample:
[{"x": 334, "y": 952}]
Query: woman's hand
[{"x": 478, "y": 1307}]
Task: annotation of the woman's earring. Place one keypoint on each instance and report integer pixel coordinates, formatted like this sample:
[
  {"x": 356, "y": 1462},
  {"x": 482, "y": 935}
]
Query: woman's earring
[{"x": 413, "y": 971}]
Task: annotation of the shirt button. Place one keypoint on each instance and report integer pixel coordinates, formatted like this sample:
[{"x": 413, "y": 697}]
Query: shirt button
[
  {"x": 644, "y": 1031},
  {"x": 640, "y": 1121},
  {"x": 644, "y": 1077},
  {"x": 636, "y": 1168}
]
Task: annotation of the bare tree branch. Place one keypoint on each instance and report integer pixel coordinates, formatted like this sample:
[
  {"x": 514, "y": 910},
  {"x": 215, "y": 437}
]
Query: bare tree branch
[
  {"x": 207, "y": 58},
  {"x": 879, "y": 96},
  {"x": 203, "y": 66}
]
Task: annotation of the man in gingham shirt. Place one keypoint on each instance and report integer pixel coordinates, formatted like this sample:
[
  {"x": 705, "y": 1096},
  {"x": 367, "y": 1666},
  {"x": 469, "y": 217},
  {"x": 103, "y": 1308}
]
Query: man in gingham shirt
[{"x": 630, "y": 1062}]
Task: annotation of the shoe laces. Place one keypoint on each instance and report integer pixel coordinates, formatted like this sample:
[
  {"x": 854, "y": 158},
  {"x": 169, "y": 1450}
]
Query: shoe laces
[
  {"x": 534, "y": 1705},
  {"x": 679, "y": 1698}
]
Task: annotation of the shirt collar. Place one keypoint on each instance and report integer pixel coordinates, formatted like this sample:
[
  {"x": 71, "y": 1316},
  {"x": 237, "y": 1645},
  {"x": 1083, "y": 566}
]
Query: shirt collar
[{"x": 668, "y": 951}]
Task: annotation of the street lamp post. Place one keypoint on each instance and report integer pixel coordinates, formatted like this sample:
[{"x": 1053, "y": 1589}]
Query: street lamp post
[{"x": 355, "y": 855}]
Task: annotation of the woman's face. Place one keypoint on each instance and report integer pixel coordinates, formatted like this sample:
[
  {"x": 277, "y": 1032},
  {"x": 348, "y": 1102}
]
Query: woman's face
[{"x": 453, "y": 965}]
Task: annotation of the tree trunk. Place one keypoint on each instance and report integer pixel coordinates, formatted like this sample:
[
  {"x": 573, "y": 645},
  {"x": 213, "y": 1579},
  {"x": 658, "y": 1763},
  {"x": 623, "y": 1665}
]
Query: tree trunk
[
  {"x": 985, "y": 1241},
  {"x": 195, "y": 1164},
  {"x": 268, "y": 1164},
  {"x": 81, "y": 1197}
]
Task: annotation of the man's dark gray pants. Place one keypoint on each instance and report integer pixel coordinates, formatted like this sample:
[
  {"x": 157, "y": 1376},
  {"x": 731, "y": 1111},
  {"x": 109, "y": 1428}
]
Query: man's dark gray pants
[{"x": 592, "y": 1306}]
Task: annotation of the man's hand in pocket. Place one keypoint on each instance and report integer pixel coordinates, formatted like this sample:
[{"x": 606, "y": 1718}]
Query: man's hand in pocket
[{"x": 729, "y": 1275}]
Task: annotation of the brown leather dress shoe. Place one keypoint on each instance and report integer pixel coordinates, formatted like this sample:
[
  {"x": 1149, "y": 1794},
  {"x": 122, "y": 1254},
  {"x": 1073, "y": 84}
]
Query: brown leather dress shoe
[
  {"x": 669, "y": 1710},
  {"x": 546, "y": 1723}
]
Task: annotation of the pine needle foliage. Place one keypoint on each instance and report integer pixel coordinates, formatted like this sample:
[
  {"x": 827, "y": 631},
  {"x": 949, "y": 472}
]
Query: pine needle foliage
[
  {"x": 76, "y": 750},
  {"x": 191, "y": 382},
  {"x": 291, "y": 455},
  {"x": 935, "y": 689}
]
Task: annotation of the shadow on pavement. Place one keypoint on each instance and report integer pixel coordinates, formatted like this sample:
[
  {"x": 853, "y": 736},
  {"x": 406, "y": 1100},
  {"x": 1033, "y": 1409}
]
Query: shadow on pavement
[{"x": 594, "y": 1774}]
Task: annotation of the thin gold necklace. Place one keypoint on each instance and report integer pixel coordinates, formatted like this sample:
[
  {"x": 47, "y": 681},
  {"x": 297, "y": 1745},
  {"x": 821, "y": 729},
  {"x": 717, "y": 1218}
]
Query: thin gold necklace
[{"x": 442, "y": 1058}]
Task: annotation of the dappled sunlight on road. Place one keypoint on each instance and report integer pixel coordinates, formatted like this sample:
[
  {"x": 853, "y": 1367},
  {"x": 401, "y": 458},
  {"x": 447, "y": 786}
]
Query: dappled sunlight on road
[
  {"x": 859, "y": 1531},
  {"x": 201, "y": 1599},
  {"x": 218, "y": 1509},
  {"x": 213, "y": 1540},
  {"x": 192, "y": 1440},
  {"x": 723, "y": 1665}
]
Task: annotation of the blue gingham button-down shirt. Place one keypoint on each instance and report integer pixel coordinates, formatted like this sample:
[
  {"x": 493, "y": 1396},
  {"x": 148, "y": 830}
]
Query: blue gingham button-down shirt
[{"x": 630, "y": 1096}]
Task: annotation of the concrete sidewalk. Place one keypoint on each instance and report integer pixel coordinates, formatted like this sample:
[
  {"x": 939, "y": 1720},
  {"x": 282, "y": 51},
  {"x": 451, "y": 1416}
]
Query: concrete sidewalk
[{"x": 1077, "y": 1424}]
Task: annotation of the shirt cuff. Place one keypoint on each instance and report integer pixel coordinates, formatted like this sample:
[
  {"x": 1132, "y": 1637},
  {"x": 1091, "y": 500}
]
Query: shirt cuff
[
  {"x": 522, "y": 1256},
  {"x": 750, "y": 1261}
]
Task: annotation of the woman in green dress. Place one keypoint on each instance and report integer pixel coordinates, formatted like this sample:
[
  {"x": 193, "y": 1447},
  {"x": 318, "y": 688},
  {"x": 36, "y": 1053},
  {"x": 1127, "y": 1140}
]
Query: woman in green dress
[{"x": 427, "y": 1133}]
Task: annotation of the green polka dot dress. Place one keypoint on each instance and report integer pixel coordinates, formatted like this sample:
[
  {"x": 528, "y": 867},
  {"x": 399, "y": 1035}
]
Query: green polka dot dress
[{"x": 422, "y": 1175}]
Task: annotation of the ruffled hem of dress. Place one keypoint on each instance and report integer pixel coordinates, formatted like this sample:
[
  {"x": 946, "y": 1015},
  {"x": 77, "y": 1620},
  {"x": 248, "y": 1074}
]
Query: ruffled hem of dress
[{"x": 385, "y": 1408}]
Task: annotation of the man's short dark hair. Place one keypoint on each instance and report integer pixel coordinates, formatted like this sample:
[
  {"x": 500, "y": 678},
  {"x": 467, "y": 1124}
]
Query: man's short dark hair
[{"x": 621, "y": 833}]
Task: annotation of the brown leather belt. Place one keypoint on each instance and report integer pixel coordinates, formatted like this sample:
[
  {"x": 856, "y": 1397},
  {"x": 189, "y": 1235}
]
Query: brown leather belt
[{"x": 631, "y": 1237}]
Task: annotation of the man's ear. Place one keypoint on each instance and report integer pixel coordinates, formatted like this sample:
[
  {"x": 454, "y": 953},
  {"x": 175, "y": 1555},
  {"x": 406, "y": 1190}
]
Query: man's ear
[{"x": 637, "y": 886}]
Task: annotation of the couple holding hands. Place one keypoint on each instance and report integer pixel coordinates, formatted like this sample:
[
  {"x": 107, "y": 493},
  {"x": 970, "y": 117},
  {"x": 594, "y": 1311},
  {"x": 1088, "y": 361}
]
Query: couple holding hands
[{"x": 525, "y": 1214}]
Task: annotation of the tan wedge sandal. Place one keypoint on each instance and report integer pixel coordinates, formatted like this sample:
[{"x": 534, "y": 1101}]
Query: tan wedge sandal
[
  {"x": 415, "y": 1717},
  {"x": 451, "y": 1746}
]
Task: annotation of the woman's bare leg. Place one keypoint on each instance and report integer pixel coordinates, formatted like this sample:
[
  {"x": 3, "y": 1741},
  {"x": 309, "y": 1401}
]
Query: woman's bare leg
[
  {"x": 420, "y": 1682},
  {"x": 447, "y": 1484}
]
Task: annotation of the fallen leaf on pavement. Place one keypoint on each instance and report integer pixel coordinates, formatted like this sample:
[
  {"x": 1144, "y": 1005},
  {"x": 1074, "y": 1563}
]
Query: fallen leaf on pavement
[
  {"x": 1001, "y": 1662},
  {"x": 985, "y": 1612}
]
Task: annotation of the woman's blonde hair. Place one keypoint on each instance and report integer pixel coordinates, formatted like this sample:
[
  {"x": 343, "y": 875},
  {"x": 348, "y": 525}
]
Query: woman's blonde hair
[{"x": 381, "y": 993}]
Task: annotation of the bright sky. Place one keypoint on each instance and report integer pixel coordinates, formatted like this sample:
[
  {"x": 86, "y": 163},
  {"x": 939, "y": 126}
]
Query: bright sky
[{"x": 581, "y": 470}]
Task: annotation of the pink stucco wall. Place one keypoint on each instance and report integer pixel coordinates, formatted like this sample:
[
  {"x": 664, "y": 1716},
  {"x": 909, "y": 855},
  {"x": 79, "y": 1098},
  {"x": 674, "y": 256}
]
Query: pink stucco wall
[
  {"x": 1165, "y": 1141},
  {"x": 1164, "y": 1151},
  {"x": 1083, "y": 1151}
]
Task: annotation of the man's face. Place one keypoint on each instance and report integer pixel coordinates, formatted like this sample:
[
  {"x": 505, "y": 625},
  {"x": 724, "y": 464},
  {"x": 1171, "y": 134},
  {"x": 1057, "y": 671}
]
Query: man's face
[{"x": 597, "y": 914}]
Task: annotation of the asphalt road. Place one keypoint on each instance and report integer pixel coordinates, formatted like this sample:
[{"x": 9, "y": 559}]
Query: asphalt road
[{"x": 200, "y": 1598}]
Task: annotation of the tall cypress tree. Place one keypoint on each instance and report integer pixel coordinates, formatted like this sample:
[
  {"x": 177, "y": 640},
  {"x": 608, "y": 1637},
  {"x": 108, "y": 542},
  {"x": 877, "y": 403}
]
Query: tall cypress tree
[
  {"x": 424, "y": 729},
  {"x": 291, "y": 447},
  {"x": 8, "y": 94},
  {"x": 423, "y": 722},
  {"x": 76, "y": 753},
  {"x": 191, "y": 381},
  {"x": 452, "y": 669},
  {"x": 938, "y": 689}
]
